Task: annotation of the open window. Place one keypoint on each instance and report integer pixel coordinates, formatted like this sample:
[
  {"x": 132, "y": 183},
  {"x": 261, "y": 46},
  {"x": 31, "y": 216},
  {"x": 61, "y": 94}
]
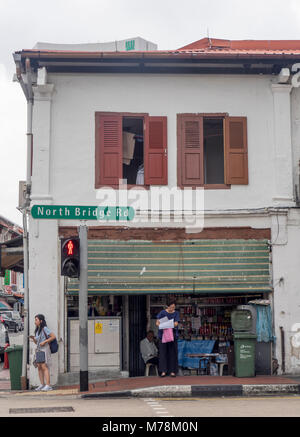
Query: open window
[
  {"x": 213, "y": 137},
  {"x": 212, "y": 150},
  {"x": 131, "y": 147},
  {"x": 133, "y": 150}
]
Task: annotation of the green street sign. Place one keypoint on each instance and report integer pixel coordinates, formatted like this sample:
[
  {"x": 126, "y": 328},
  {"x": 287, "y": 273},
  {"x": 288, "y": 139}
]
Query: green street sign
[{"x": 76, "y": 212}]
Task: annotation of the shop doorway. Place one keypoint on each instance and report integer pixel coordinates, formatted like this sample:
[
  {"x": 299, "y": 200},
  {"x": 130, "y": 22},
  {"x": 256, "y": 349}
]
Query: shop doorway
[
  {"x": 137, "y": 331},
  {"x": 205, "y": 328}
]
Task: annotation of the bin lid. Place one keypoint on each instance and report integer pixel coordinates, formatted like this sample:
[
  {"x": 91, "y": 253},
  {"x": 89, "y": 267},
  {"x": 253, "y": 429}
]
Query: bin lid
[
  {"x": 241, "y": 320},
  {"x": 244, "y": 335},
  {"x": 13, "y": 348}
]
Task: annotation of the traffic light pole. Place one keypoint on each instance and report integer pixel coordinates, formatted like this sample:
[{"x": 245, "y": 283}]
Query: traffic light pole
[{"x": 83, "y": 308}]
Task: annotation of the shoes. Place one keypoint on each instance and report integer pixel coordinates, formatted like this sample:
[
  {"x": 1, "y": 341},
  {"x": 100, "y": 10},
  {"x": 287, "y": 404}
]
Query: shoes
[
  {"x": 47, "y": 388},
  {"x": 173, "y": 375},
  {"x": 40, "y": 387},
  {"x": 162, "y": 376}
]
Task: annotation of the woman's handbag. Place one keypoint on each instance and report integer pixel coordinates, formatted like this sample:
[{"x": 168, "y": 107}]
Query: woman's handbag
[
  {"x": 168, "y": 335},
  {"x": 40, "y": 357},
  {"x": 53, "y": 344}
]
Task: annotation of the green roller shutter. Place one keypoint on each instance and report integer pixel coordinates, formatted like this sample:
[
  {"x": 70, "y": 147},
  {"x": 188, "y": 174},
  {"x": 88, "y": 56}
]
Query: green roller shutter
[{"x": 194, "y": 266}]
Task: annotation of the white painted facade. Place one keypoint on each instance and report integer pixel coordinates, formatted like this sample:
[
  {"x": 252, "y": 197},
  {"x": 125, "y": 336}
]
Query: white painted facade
[{"x": 63, "y": 173}]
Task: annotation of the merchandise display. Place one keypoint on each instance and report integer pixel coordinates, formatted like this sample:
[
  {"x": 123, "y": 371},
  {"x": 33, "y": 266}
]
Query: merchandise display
[
  {"x": 204, "y": 322},
  {"x": 201, "y": 318}
]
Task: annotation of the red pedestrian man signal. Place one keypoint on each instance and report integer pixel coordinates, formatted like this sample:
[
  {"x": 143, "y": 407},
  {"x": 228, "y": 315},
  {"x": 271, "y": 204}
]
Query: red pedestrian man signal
[
  {"x": 70, "y": 257},
  {"x": 70, "y": 247}
]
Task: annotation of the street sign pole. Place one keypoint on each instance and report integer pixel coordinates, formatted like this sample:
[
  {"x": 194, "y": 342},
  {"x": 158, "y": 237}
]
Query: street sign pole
[{"x": 83, "y": 307}]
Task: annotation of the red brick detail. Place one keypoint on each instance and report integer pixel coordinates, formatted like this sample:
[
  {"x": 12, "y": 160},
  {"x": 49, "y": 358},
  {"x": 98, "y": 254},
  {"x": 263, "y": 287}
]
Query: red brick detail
[{"x": 170, "y": 234}]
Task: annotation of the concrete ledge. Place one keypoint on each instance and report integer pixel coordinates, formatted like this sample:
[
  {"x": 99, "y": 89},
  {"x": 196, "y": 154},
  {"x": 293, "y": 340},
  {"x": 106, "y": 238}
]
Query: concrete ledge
[
  {"x": 163, "y": 391},
  {"x": 72, "y": 378},
  {"x": 216, "y": 390},
  {"x": 270, "y": 389},
  {"x": 180, "y": 391},
  {"x": 110, "y": 394},
  {"x": 201, "y": 391}
]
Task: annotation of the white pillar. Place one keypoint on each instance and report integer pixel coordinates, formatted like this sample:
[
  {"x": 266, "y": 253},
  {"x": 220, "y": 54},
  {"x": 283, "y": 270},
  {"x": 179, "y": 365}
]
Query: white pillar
[
  {"x": 44, "y": 289},
  {"x": 283, "y": 162},
  {"x": 44, "y": 269},
  {"x": 286, "y": 277},
  {"x": 41, "y": 141},
  {"x": 279, "y": 240}
]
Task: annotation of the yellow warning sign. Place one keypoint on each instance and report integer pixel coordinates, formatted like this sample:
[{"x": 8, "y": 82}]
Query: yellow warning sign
[{"x": 98, "y": 328}]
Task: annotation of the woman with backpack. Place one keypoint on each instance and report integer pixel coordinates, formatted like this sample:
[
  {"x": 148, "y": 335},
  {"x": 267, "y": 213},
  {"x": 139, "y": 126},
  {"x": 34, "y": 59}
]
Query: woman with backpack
[{"x": 42, "y": 338}]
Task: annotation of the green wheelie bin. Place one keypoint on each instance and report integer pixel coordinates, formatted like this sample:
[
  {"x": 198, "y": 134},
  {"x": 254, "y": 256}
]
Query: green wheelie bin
[
  {"x": 243, "y": 321},
  {"x": 244, "y": 354},
  {"x": 15, "y": 354}
]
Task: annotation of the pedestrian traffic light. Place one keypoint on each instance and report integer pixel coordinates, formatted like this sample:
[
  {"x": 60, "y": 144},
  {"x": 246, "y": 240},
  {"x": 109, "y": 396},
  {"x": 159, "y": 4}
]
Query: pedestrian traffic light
[{"x": 70, "y": 257}]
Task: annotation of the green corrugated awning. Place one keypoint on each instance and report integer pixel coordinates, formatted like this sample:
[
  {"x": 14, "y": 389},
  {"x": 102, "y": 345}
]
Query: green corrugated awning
[{"x": 194, "y": 266}]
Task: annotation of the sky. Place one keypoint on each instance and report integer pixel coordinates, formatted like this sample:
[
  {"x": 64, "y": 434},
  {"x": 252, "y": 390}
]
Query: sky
[{"x": 169, "y": 23}]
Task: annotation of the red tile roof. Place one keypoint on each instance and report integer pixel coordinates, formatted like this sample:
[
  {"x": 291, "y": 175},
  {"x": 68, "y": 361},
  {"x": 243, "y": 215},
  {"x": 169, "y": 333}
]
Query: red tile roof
[{"x": 211, "y": 45}]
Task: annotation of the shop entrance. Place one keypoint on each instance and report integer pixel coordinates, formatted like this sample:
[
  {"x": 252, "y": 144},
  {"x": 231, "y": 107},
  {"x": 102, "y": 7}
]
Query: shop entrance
[
  {"x": 205, "y": 327},
  {"x": 203, "y": 318},
  {"x": 137, "y": 331}
]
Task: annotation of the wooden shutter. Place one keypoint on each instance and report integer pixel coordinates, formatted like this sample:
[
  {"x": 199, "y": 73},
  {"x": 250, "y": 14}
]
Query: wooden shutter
[
  {"x": 108, "y": 149},
  {"x": 236, "y": 151},
  {"x": 190, "y": 156},
  {"x": 156, "y": 153}
]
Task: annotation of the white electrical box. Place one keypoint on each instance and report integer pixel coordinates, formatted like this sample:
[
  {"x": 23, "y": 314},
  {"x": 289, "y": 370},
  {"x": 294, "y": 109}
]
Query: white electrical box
[
  {"x": 107, "y": 336},
  {"x": 104, "y": 339}
]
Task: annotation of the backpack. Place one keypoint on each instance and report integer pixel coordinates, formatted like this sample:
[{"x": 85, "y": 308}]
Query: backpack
[{"x": 53, "y": 344}]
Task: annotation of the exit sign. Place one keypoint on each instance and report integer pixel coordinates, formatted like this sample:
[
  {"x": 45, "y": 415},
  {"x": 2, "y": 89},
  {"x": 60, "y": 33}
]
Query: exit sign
[{"x": 130, "y": 45}]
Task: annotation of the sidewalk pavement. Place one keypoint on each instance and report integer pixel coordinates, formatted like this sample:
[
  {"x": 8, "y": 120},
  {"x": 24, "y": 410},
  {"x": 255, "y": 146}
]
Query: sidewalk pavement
[
  {"x": 181, "y": 386},
  {"x": 4, "y": 379},
  {"x": 192, "y": 386}
]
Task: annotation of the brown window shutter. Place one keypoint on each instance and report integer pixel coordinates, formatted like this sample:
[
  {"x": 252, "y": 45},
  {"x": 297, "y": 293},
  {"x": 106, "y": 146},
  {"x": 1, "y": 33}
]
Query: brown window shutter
[
  {"x": 190, "y": 150},
  {"x": 236, "y": 151},
  {"x": 108, "y": 162},
  {"x": 156, "y": 153}
]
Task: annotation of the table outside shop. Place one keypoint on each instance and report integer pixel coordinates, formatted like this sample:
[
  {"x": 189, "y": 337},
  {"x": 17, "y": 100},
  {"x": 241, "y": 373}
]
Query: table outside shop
[{"x": 211, "y": 358}]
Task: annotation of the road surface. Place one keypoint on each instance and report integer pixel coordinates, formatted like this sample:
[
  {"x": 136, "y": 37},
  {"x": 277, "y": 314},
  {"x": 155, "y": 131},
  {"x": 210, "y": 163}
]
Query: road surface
[{"x": 25, "y": 405}]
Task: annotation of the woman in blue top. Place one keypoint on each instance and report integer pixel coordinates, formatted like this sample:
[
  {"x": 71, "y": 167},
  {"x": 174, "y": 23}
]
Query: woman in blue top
[
  {"x": 43, "y": 336},
  {"x": 168, "y": 353}
]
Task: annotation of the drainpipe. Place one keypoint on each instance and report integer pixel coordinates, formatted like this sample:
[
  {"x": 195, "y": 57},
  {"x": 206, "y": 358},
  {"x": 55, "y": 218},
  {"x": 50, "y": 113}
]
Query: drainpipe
[
  {"x": 26, "y": 303},
  {"x": 29, "y": 127},
  {"x": 282, "y": 350},
  {"x": 27, "y": 89}
]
